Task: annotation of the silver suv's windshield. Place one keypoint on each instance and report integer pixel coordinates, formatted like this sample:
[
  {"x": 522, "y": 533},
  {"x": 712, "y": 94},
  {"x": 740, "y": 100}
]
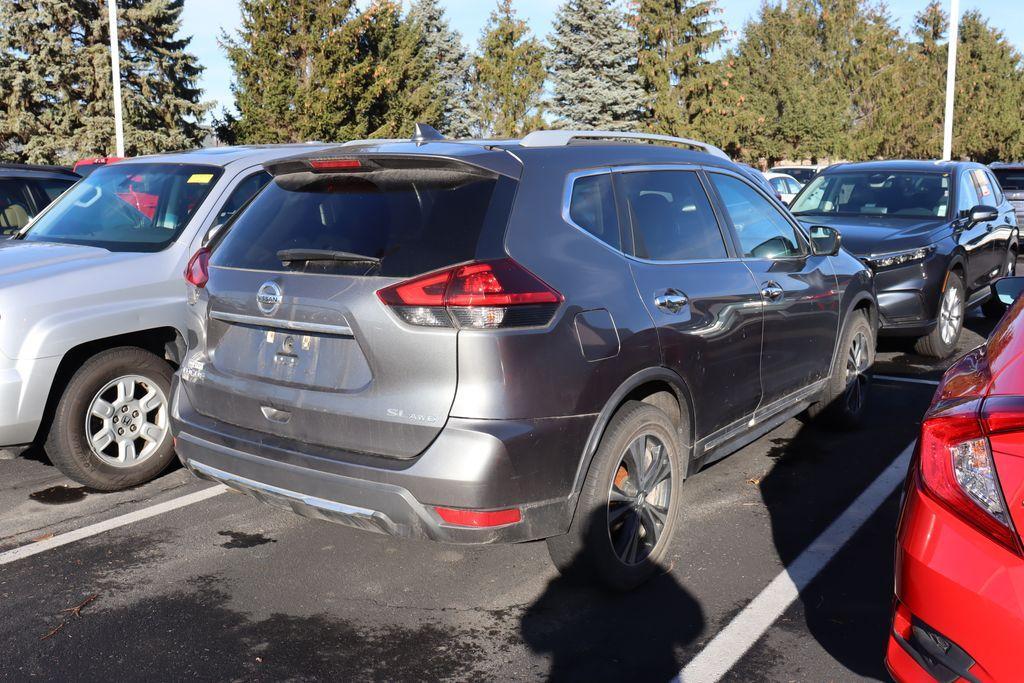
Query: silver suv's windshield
[
  {"x": 127, "y": 207},
  {"x": 862, "y": 193}
]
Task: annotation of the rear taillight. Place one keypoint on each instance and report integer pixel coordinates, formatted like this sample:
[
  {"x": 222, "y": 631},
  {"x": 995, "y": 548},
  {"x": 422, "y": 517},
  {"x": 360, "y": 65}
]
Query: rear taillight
[
  {"x": 957, "y": 470},
  {"x": 481, "y": 295},
  {"x": 197, "y": 272}
]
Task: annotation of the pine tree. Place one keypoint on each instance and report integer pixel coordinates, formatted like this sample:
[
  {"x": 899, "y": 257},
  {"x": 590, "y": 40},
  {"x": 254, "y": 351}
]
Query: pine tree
[
  {"x": 989, "y": 94},
  {"x": 56, "y": 101},
  {"x": 443, "y": 48},
  {"x": 593, "y": 67},
  {"x": 675, "y": 38},
  {"x": 508, "y": 75},
  {"x": 924, "y": 84},
  {"x": 289, "y": 58}
]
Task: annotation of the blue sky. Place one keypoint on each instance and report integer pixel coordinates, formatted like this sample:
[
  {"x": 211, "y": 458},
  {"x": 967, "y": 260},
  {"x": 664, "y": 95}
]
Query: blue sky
[{"x": 205, "y": 19}]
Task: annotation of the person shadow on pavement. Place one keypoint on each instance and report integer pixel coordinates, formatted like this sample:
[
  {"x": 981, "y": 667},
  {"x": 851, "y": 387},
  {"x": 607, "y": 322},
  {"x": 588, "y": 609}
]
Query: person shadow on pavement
[{"x": 590, "y": 633}]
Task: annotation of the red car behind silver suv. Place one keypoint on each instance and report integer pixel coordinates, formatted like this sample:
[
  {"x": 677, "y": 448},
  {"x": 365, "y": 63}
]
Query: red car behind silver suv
[{"x": 959, "y": 607}]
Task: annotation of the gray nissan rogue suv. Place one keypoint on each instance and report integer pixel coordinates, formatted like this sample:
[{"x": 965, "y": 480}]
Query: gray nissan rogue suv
[{"x": 501, "y": 341}]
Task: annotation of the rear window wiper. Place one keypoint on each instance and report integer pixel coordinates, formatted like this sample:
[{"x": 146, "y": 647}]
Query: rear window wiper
[{"x": 292, "y": 255}]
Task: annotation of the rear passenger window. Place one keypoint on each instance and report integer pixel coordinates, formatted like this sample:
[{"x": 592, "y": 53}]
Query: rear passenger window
[
  {"x": 671, "y": 216},
  {"x": 592, "y": 208},
  {"x": 763, "y": 231}
]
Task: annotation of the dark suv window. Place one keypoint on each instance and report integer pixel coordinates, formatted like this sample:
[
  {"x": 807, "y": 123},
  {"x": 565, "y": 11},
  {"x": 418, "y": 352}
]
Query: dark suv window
[
  {"x": 242, "y": 193},
  {"x": 15, "y": 206},
  {"x": 1011, "y": 179},
  {"x": 52, "y": 187},
  {"x": 413, "y": 221},
  {"x": 763, "y": 231},
  {"x": 671, "y": 216},
  {"x": 592, "y": 208}
]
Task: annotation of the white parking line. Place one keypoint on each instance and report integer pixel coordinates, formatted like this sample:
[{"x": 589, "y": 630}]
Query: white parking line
[
  {"x": 733, "y": 641},
  {"x": 21, "y": 552},
  {"x": 910, "y": 380}
]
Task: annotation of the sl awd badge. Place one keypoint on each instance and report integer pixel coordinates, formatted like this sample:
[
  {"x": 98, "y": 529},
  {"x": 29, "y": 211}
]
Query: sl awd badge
[{"x": 268, "y": 297}]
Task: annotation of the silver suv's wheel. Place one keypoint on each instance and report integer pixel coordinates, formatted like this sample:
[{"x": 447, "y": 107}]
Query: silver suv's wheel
[
  {"x": 127, "y": 421},
  {"x": 111, "y": 427},
  {"x": 622, "y": 529}
]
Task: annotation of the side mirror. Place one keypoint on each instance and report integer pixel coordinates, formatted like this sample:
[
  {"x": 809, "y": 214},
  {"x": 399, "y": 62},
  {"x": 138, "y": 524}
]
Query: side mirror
[
  {"x": 211, "y": 234},
  {"x": 982, "y": 214},
  {"x": 825, "y": 241},
  {"x": 1007, "y": 289}
]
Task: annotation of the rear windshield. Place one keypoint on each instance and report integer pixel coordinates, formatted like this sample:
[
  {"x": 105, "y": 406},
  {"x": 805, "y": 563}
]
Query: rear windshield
[
  {"x": 412, "y": 224},
  {"x": 1010, "y": 180},
  {"x": 127, "y": 207}
]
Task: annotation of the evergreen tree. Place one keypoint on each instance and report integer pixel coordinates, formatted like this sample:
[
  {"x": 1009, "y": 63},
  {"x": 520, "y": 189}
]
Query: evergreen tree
[
  {"x": 593, "y": 67},
  {"x": 675, "y": 38},
  {"x": 443, "y": 48},
  {"x": 923, "y": 90},
  {"x": 508, "y": 75},
  {"x": 989, "y": 94},
  {"x": 56, "y": 102}
]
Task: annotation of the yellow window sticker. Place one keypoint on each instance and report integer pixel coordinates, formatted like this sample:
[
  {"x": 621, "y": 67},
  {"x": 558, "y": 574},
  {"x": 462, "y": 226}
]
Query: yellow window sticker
[{"x": 200, "y": 178}]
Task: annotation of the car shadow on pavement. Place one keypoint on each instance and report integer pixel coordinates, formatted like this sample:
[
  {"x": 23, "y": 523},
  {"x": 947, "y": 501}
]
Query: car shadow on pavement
[
  {"x": 592, "y": 634},
  {"x": 816, "y": 475}
]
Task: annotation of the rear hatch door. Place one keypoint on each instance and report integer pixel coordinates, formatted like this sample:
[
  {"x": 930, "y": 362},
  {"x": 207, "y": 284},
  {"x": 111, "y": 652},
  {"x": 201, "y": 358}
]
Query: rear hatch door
[{"x": 298, "y": 344}]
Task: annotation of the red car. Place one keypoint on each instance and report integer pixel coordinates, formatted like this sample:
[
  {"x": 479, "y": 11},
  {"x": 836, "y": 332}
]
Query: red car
[
  {"x": 84, "y": 167},
  {"x": 959, "y": 607}
]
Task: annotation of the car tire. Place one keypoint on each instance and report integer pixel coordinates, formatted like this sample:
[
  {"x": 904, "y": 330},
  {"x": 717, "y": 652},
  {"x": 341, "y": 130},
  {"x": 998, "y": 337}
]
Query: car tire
[
  {"x": 609, "y": 538},
  {"x": 118, "y": 397},
  {"x": 942, "y": 341},
  {"x": 843, "y": 402},
  {"x": 993, "y": 308}
]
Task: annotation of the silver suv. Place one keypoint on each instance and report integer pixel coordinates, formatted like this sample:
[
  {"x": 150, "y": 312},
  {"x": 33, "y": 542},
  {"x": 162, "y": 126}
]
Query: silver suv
[
  {"x": 92, "y": 307},
  {"x": 483, "y": 341}
]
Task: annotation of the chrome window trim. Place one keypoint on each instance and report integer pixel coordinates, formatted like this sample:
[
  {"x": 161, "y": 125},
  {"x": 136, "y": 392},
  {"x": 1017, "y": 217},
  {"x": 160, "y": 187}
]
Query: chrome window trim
[{"x": 276, "y": 323}]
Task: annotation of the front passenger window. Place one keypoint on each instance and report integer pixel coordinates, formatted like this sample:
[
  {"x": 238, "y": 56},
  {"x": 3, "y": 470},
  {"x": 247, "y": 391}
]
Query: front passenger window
[
  {"x": 671, "y": 216},
  {"x": 762, "y": 230}
]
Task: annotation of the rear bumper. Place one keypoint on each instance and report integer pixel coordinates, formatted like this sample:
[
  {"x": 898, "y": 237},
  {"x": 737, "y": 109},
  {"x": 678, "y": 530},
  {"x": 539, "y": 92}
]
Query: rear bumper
[
  {"x": 473, "y": 464},
  {"x": 964, "y": 586}
]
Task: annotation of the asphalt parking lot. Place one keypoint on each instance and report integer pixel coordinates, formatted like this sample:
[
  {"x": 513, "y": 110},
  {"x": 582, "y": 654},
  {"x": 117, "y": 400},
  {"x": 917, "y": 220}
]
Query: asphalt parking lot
[{"x": 228, "y": 589}]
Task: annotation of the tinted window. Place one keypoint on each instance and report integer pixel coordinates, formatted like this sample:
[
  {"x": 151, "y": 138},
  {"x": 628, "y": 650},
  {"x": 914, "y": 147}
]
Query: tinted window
[
  {"x": 671, "y": 216},
  {"x": 967, "y": 193},
  {"x": 127, "y": 207},
  {"x": 1011, "y": 180},
  {"x": 762, "y": 230},
  {"x": 874, "y": 193},
  {"x": 983, "y": 186},
  {"x": 53, "y": 187},
  {"x": 414, "y": 221},
  {"x": 15, "y": 208},
  {"x": 592, "y": 207},
  {"x": 996, "y": 189},
  {"x": 242, "y": 193}
]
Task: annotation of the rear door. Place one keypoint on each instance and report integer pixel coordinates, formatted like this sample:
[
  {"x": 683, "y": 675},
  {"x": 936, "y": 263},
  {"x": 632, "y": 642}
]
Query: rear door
[
  {"x": 702, "y": 299},
  {"x": 799, "y": 291},
  {"x": 303, "y": 348},
  {"x": 977, "y": 240}
]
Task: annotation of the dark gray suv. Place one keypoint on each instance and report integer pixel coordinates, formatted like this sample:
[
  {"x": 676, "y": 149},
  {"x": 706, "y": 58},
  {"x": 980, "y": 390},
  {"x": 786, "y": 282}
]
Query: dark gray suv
[{"x": 502, "y": 341}]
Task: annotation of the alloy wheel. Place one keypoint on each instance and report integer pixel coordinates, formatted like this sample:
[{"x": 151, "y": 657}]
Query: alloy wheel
[
  {"x": 951, "y": 315},
  {"x": 127, "y": 421},
  {"x": 639, "y": 499},
  {"x": 857, "y": 379}
]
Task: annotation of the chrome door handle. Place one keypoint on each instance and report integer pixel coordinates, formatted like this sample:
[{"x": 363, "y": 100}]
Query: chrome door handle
[
  {"x": 671, "y": 300},
  {"x": 771, "y": 291}
]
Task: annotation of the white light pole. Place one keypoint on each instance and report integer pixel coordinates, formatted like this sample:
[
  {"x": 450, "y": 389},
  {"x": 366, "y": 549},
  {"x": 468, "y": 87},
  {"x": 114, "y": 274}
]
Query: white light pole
[
  {"x": 115, "y": 75},
  {"x": 954, "y": 39}
]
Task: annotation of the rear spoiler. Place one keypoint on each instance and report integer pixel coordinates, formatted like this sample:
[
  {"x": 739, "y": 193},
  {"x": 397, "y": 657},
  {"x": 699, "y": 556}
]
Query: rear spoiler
[{"x": 381, "y": 170}]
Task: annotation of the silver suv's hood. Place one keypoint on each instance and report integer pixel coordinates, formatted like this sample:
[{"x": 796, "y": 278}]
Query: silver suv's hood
[{"x": 20, "y": 260}]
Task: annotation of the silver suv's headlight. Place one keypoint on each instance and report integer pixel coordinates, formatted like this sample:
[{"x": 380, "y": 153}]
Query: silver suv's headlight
[{"x": 900, "y": 258}]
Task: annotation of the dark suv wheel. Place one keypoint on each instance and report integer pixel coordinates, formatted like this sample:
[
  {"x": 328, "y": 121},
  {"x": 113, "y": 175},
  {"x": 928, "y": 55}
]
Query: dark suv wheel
[
  {"x": 943, "y": 339},
  {"x": 111, "y": 429},
  {"x": 843, "y": 402},
  {"x": 623, "y": 525}
]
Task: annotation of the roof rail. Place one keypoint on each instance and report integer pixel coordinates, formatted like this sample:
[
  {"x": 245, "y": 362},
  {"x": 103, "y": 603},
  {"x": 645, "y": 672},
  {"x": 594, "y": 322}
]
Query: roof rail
[{"x": 561, "y": 138}]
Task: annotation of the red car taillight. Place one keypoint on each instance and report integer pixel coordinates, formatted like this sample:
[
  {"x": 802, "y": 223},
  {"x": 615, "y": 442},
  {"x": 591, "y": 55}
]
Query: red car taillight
[
  {"x": 481, "y": 295},
  {"x": 957, "y": 470},
  {"x": 197, "y": 272}
]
